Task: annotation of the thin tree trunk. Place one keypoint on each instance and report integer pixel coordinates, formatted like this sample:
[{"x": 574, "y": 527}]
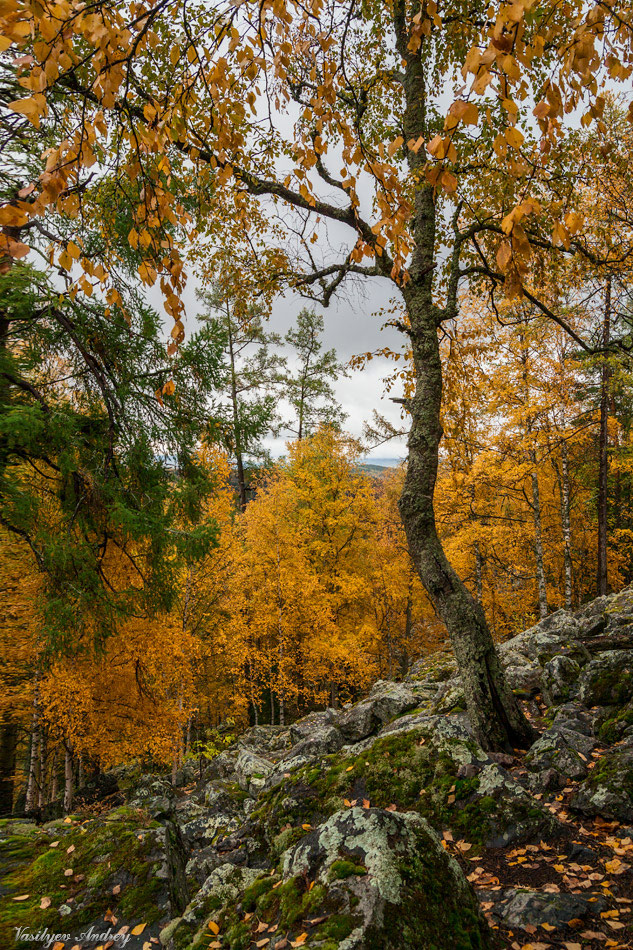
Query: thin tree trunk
[
  {"x": 237, "y": 433},
  {"x": 603, "y": 447},
  {"x": 54, "y": 777},
  {"x": 41, "y": 798},
  {"x": 334, "y": 695},
  {"x": 68, "y": 780},
  {"x": 252, "y": 692},
  {"x": 538, "y": 540},
  {"x": 566, "y": 521},
  {"x": 479, "y": 574},
  {"x": 32, "y": 783},
  {"x": 280, "y": 647}
]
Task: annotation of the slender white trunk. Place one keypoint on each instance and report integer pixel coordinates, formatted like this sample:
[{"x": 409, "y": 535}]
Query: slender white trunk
[
  {"x": 538, "y": 541},
  {"x": 68, "y": 780},
  {"x": 54, "y": 777},
  {"x": 41, "y": 799},
  {"x": 566, "y": 521},
  {"x": 32, "y": 792}
]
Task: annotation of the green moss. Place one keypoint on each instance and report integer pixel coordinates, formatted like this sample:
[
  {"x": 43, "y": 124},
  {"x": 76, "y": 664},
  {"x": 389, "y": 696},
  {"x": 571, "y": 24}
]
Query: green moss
[
  {"x": 614, "y": 774},
  {"x": 101, "y": 851},
  {"x": 337, "y": 927},
  {"x": 405, "y": 770},
  {"x": 253, "y": 893},
  {"x": 342, "y": 869},
  {"x": 612, "y": 729},
  {"x": 613, "y": 687}
]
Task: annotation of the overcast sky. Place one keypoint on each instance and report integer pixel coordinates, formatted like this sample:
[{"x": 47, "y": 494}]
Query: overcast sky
[{"x": 352, "y": 326}]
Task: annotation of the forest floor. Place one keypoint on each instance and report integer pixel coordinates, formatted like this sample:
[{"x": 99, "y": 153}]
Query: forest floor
[{"x": 594, "y": 860}]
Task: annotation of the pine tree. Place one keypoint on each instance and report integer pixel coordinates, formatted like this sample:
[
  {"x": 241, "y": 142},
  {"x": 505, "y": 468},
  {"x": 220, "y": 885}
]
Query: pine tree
[
  {"x": 250, "y": 370},
  {"x": 308, "y": 388}
]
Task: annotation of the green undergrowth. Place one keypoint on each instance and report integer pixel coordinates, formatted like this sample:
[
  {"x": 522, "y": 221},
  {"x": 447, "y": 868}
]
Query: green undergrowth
[{"x": 100, "y": 854}]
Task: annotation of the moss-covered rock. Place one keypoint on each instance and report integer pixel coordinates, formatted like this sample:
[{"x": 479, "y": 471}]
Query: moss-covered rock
[
  {"x": 614, "y": 723},
  {"x": 435, "y": 770},
  {"x": 607, "y": 680},
  {"x": 608, "y": 789},
  {"x": 383, "y": 880},
  {"x": 222, "y": 888},
  {"x": 364, "y": 879},
  {"x": 84, "y": 869}
]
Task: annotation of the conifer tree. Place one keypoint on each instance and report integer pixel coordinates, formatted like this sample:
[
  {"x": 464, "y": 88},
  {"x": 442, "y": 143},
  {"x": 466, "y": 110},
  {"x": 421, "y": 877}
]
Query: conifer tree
[
  {"x": 249, "y": 374},
  {"x": 308, "y": 388}
]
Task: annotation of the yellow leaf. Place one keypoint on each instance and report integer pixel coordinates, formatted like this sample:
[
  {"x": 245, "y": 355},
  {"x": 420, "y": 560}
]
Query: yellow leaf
[
  {"x": 514, "y": 137},
  {"x": 504, "y": 256},
  {"x": 13, "y": 217},
  {"x": 395, "y": 145},
  {"x": 213, "y": 927},
  {"x": 138, "y": 929},
  {"x": 449, "y": 182},
  {"x": 436, "y": 147},
  {"x": 573, "y": 222},
  {"x": 31, "y": 108}
]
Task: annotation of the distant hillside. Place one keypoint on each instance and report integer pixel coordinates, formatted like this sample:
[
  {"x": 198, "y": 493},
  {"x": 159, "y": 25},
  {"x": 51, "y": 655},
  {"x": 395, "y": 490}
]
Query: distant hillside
[{"x": 377, "y": 465}]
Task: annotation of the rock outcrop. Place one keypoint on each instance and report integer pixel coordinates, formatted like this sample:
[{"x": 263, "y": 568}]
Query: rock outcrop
[{"x": 335, "y": 832}]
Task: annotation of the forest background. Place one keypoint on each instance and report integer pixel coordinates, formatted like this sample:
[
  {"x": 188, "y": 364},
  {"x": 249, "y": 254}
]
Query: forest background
[{"x": 164, "y": 582}]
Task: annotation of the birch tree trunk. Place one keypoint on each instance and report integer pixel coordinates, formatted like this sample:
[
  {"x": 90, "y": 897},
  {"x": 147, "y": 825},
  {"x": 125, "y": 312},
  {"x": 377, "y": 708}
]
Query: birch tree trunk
[
  {"x": 43, "y": 779},
  {"x": 32, "y": 793},
  {"x": 566, "y": 522},
  {"x": 54, "y": 777},
  {"x": 68, "y": 779},
  {"x": 603, "y": 449},
  {"x": 538, "y": 540}
]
